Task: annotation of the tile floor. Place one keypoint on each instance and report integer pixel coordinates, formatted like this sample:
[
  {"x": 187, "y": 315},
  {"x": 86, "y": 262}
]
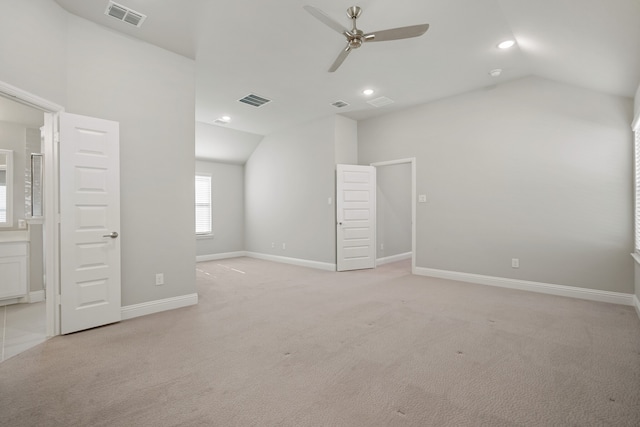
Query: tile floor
[{"x": 22, "y": 326}]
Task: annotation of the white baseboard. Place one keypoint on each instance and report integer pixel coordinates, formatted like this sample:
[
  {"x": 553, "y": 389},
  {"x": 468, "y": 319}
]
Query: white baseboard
[
  {"x": 213, "y": 257},
  {"x": 393, "y": 258},
  {"x": 636, "y": 304},
  {"x": 293, "y": 261},
  {"x": 137, "y": 310},
  {"x": 524, "y": 285}
]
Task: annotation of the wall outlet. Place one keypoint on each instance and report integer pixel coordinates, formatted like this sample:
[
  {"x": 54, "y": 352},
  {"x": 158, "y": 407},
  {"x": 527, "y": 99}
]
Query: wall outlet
[
  {"x": 329, "y": 201},
  {"x": 159, "y": 279},
  {"x": 22, "y": 224},
  {"x": 273, "y": 244},
  {"x": 382, "y": 246},
  {"x": 515, "y": 263},
  {"x": 422, "y": 198},
  {"x": 284, "y": 246}
]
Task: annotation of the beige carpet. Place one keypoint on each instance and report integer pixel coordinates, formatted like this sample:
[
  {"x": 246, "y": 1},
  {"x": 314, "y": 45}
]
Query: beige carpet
[{"x": 277, "y": 345}]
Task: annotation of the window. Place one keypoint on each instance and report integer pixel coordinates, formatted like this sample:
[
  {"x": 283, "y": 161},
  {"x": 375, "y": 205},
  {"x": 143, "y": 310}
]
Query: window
[
  {"x": 203, "y": 204},
  {"x": 3, "y": 195}
]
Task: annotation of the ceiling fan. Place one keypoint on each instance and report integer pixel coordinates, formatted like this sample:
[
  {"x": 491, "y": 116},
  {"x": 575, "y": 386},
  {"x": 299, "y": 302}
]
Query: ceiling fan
[{"x": 356, "y": 37}]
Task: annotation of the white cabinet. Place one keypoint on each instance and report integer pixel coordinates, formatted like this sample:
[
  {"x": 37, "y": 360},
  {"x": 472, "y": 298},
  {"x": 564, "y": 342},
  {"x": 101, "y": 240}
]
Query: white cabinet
[{"x": 13, "y": 269}]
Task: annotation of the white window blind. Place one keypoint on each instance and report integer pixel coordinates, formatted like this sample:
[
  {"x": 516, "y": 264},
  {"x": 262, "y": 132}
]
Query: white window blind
[
  {"x": 3, "y": 196},
  {"x": 637, "y": 185},
  {"x": 203, "y": 204}
]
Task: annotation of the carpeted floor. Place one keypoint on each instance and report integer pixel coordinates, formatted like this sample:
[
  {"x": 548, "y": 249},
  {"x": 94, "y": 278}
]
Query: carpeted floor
[{"x": 278, "y": 345}]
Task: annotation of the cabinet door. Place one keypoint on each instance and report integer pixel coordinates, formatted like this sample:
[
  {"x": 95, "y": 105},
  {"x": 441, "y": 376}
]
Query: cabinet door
[{"x": 13, "y": 270}]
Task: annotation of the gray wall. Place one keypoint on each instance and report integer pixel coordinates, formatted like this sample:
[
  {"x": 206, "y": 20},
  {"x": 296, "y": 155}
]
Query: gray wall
[
  {"x": 227, "y": 200},
  {"x": 288, "y": 180},
  {"x": 94, "y": 71},
  {"x": 531, "y": 169},
  {"x": 393, "y": 210}
]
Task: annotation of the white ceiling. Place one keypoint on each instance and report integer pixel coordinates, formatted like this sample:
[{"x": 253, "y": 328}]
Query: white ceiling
[{"x": 277, "y": 50}]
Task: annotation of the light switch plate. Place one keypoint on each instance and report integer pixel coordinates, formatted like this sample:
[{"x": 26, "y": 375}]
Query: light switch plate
[{"x": 422, "y": 198}]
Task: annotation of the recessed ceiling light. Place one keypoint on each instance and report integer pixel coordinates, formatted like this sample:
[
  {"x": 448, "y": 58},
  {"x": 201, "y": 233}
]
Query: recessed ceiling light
[
  {"x": 506, "y": 44},
  {"x": 495, "y": 72},
  {"x": 225, "y": 118},
  {"x": 368, "y": 92}
]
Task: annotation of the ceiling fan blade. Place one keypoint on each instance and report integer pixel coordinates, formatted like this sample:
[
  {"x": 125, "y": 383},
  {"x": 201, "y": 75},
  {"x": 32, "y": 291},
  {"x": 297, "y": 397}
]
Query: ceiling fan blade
[
  {"x": 326, "y": 19},
  {"x": 396, "y": 33},
  {"x": 340, "y": 59}
]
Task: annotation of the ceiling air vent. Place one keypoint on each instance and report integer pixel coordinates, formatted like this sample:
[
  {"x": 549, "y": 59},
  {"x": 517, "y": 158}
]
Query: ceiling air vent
[
  {"x": 255, "y": 100},
  {"x": 123, "y": 13},
  {"x": 381, "y": 102},
  {"x": 220, "y": 122},
  {"x": 339, "y": 104}
]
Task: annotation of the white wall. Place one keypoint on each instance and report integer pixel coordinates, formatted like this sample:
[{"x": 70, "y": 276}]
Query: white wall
[
  {"x": 33, "y": 43},
  {"x": 227, "y": 199},
  {"x": 393, "y": 210},
  {"x": 94, "y": 71},
  {"x": 288, "y": 179},
  {"x": 531, "y": 169},
  {"x": 151, "y": 93}
]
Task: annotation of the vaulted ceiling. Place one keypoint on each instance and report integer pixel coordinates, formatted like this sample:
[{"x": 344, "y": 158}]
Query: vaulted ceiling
[{"x": 279, "y": 51}]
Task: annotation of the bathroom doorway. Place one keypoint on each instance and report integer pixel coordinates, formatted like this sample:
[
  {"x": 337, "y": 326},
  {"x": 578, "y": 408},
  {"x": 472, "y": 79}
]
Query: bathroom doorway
[{"x": 23, "y": 314}]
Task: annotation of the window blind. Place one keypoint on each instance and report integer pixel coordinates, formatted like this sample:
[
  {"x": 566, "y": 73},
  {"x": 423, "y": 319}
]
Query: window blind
[{"x": 203, "y": 204}]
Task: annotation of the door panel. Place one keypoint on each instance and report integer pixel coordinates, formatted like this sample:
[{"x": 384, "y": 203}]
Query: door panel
[
  {"x": 89, "y": 222},
  {"x": 356, "y": 224}
]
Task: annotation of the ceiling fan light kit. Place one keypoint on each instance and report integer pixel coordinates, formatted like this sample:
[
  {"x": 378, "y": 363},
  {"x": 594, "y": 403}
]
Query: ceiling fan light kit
[{"x": 356, "y": 37}]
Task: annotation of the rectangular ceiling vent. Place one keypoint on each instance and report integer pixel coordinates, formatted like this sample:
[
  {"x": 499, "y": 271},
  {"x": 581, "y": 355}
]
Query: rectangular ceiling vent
[
  {"x": 124, "y": 14},
  {"x": 381, "y": 102},
  {"x": 339, "y": 104},
  {"x": 220, "y": 122},
  {"x": 255, "y": 100}
]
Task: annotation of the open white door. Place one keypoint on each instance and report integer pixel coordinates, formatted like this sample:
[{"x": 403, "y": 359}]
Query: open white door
[
  {"x": 89, "y": 222},
  {"x": 356, "y": 217}
]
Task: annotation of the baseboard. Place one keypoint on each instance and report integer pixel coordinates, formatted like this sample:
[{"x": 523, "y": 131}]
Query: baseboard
[
  {"x": 524, "y": 285},
  {"x": 636, "y": 304},
  {"x": 393, "y": 258},
  {"x": 293, "y": 261},
  {"x": 213, "y": 257},
  {"x": 36, "y": 296},
  {"x": 145, "y": 308}
]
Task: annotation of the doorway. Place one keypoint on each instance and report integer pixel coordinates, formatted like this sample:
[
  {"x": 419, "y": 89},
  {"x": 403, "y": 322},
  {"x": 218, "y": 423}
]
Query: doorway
[
  {"x": 44, "y": 239},
  {"x": 395, "y": 211},
  {"x": 23, "y": 308}
]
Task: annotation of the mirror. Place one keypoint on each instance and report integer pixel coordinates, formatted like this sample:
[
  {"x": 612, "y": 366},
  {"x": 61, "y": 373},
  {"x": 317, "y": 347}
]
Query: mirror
[{"x": 6, "y": 188}]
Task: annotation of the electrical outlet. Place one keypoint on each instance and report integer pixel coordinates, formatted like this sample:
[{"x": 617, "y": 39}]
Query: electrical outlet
[
  {"x": 22, "y": 224},
  {"x": 284, "y": 246},
  {"x": 159, "y": 279},
  {"x": 382, "y": 246},
  {"x": 273, "y": 244},
  {"x": 329, "y": 201},
  {"x": 422, "y": 198},
  {"x": 515, "y": 263}
]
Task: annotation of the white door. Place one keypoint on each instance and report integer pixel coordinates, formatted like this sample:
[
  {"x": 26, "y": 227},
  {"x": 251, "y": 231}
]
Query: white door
[
  {"x": 89, "y": 222},
  {"x": 356, "y": 217}
]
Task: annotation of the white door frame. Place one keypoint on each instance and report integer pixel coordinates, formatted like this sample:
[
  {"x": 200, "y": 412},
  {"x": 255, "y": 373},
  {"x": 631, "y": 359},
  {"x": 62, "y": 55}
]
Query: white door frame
[
  {"x": 412, "y": 161},
  {"x": 51, "y": 190}
]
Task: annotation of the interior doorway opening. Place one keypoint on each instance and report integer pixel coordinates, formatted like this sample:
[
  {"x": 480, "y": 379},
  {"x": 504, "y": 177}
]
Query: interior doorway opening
[
  {"x": 395, "y": 211},
  {"x": 45, "y": 223}
]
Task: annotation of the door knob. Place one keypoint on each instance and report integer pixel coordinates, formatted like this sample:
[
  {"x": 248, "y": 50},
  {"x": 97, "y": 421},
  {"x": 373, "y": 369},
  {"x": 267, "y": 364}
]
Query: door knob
[{"x": 113, "y": 235}]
